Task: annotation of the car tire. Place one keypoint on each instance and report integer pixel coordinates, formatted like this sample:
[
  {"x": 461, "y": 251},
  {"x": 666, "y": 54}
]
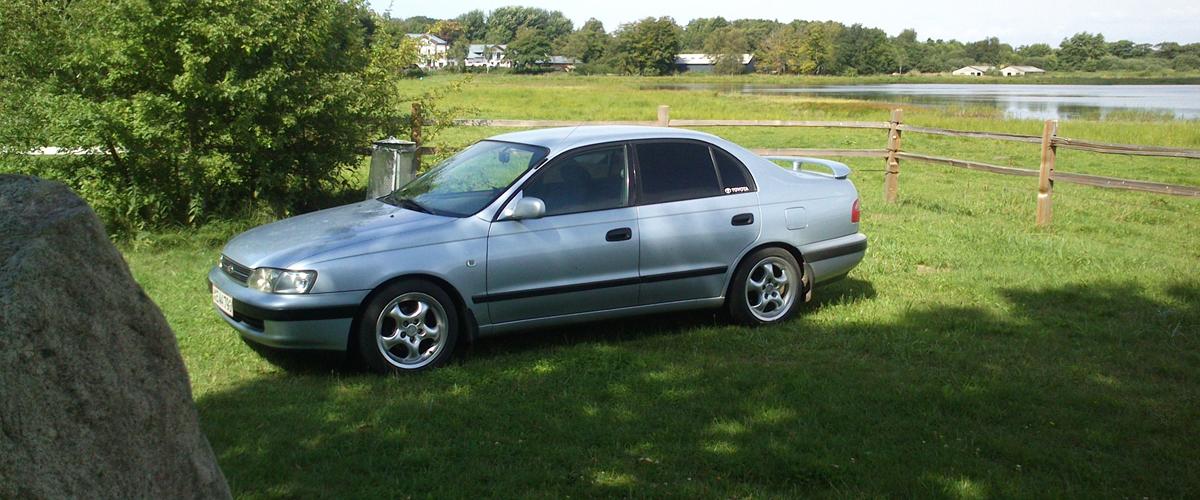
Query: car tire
[
  {"x": 767, "y": 288},
  {"x": 408, "y": 326}
]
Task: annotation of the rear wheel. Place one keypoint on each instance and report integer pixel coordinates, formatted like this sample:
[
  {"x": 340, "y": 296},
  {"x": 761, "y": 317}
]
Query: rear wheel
[
  {"x": 409, "y": 326},
  {"x": 767, "y": 288}
]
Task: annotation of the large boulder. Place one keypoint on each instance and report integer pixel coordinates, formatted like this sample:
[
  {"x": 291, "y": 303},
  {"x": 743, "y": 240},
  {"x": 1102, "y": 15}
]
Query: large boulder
[{"x": 94, "y": 397}]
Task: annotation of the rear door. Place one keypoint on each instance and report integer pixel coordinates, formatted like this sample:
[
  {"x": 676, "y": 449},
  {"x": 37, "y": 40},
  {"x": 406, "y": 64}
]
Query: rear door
[
  {"x": 582, "y": 255},
  {"x": 697, "y": 211}
]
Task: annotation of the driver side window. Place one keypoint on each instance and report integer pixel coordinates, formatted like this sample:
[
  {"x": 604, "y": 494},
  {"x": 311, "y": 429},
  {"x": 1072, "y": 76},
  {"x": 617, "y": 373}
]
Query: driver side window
[{"x": 595, "y": 179}]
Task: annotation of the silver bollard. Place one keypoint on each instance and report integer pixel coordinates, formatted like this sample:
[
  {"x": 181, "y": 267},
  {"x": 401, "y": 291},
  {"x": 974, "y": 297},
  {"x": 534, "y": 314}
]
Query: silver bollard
[{"x": 391, "y": 166}]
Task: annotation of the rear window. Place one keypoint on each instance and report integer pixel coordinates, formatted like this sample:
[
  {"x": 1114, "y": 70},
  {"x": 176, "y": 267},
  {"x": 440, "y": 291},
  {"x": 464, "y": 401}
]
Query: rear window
[{"x": 672, "y": 171}]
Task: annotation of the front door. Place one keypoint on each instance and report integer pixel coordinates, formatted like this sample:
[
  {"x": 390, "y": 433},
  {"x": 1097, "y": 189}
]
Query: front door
[{"x": 581, "y": 256}]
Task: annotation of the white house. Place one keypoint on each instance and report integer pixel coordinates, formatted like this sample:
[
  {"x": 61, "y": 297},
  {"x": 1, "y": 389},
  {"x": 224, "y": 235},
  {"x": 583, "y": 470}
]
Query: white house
[
  {"x": 703, "y": 63},
  {"x": 1021, "y": 70},
  {"x": 481, "y": 55},
  {"x": 972, "y": 70},
  {"x": 432, "y": 51}
]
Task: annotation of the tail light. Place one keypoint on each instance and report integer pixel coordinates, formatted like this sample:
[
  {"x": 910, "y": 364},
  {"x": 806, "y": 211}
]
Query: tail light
[{"x": 855, "y": 213}]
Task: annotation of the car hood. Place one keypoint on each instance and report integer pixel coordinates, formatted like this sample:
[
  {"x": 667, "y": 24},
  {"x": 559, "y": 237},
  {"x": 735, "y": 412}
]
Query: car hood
[{"x": 285, "y": 242}]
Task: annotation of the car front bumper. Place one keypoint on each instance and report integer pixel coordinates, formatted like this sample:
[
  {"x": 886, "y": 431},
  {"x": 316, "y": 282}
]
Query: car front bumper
[{"x": 290, "y": 321}]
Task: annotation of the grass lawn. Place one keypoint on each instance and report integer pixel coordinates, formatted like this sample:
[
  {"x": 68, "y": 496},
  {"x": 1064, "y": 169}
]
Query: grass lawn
[{"x": 969, "y": 356}]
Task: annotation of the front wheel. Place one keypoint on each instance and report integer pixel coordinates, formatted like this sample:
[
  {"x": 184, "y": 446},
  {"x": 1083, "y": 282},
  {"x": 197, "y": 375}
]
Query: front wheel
[
  {"x": 767, "y": 288},
  {"x": 409, "y": 326}
]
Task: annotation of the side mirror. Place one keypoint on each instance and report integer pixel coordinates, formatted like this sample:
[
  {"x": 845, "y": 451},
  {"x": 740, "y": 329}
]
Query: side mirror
[{"x": 527, "y": 207}]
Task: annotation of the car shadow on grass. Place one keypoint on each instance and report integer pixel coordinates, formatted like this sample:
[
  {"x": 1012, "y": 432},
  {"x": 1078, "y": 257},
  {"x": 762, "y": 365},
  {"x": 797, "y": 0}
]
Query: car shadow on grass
[{"x": 1071, "y": 391}]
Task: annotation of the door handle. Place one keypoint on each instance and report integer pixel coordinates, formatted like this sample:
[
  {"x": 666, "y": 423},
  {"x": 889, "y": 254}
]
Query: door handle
[
  {"x": 619, "y": 234},
  {"x": 742, "y": 220}
]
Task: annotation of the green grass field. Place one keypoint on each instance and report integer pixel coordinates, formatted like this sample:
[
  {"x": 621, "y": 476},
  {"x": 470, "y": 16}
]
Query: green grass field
[{"x": 971, "y": 355}]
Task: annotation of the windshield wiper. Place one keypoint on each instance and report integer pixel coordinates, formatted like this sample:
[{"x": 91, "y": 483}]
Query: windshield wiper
[{"x": 411, "y": 204}]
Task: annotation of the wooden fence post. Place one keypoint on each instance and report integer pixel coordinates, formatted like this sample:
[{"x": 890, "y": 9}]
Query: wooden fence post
[
  {"x": 664, "y": 115},
  {"x": 891, "y": 179},
  {"x": 415, "y": 134},
  {"x": 1046, "y": 174}
]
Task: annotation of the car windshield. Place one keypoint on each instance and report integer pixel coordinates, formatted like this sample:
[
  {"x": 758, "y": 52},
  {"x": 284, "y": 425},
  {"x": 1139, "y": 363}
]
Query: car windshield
[{"x": 468, "y": 181}]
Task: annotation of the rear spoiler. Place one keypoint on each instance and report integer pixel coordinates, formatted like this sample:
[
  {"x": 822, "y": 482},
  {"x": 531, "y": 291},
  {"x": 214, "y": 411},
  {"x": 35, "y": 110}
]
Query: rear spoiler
[{"x": 840, "y": 170}]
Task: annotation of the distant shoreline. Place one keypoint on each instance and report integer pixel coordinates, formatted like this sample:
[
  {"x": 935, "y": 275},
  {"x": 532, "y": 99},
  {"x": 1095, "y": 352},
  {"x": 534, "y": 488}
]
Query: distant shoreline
[{"x": 1075, "y": 78}]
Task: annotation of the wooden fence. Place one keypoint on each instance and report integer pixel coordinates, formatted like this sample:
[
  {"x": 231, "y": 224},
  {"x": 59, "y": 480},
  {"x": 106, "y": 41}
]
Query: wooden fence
[{"x": 892, "y": 153}]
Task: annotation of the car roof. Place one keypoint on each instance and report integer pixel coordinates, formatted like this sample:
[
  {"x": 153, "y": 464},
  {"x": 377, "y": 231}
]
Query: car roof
[{"x": 560, "y": 139}]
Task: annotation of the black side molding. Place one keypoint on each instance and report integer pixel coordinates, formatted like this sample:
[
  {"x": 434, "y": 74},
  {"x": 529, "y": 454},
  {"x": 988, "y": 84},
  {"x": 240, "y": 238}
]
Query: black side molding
[
  {"x": 836, "y": 251},
  {"x": 596, "y": 285}
]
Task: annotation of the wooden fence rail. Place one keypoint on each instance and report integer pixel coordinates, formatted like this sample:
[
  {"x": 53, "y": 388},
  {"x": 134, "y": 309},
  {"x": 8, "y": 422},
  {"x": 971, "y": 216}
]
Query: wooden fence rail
[{"x": 1049, "y": 141}]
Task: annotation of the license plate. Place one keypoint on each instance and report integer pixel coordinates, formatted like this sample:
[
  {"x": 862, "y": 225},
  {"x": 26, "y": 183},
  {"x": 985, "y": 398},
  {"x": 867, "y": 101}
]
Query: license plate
[{"x": 223, "y": 301}]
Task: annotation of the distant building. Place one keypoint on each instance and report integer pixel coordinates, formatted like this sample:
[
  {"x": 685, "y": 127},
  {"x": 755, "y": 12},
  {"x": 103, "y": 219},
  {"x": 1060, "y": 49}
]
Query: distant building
[
  {"x": 432, "y": 51},
  {"x": 972, "y": 70},
  {"x": 1021, "y": 70},
  {"x": 703, "y": 63},
  {"x": 563, "y": 63},
  {"x": 481, "y": 55}
]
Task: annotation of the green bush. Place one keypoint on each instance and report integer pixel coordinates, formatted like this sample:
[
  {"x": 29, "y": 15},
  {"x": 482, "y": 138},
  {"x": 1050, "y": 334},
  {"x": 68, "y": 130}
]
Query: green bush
[{"x": 195, "y": 108}]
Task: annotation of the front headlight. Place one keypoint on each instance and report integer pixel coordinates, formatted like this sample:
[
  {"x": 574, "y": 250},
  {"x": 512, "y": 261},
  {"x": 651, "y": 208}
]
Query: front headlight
[{"x": 265, "y": 279}]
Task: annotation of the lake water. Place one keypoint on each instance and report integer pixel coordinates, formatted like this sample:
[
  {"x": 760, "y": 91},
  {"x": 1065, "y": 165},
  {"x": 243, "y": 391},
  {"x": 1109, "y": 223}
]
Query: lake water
[{"x": 1017, "y": 101}]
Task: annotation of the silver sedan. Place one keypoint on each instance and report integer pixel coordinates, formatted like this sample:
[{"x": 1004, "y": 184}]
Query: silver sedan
[{"x": 545, "y": 228}]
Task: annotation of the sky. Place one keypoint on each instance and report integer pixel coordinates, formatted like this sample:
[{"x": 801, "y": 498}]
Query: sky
[{"x": 1017, "y": 22}]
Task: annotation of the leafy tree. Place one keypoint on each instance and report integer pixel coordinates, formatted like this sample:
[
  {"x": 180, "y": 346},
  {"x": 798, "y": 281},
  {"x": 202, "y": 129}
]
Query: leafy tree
[
  {"x": 989, "y": 51},
  {"x": 780, "y": 52},
  {"x": 474, "y": 25},
  {"x": 647, "y": 47},
  {"x": 195, "y": 107},
  {"x": 1166, "y": 50},
  {"x": 756, "y": 30},
  {"x": 503, "y": 23},
  {"x": 530, "y": 48},
  {"x": 908, "y": 51},
  {"x": 695, "y": 35},
  {"x": 1186, "y": 62},
  {"x": 726, "y": 47},
  {"x": 863, "y": 50},
  {"x": 447, "y": 30},
  {"x": 818, "y": 48},
  {"x": 589, "y": 43},
  {"x": 1081, "y": 50},
  {"x": 1035, "y": 50}
]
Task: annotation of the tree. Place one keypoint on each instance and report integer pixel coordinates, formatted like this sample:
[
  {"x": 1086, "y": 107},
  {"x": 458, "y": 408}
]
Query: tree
[
  {"x": 863, "y": 50},
  {"x": 647, "y": 47},
  {"x": 474, "y": 25},
  {"x": 908, "y": 51},
  {"x": 695, "y": 35},
  {"x": 756, "y": 30},
  {"x": 1080, "y": 50},
  {"x": 528, "y": 49},
  {"x": 503, "y": 23},
  {"x": 589, "y": 43},
  {"x": 447, "y": 30},
  {"x": 726, "y": 46},
  {"x": 818, "y": 48},
  {"x": 1035, "y": 50},
  {"x": 196, "y": 107},
  {"x": 780, "y": 52},
  {"x": 989, "y": 50}
]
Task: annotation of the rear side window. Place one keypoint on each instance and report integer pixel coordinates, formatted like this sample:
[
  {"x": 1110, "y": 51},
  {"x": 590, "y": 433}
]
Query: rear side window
[
  {"x": 672, "y": 171},
  {"x": 733, "y": 175}
]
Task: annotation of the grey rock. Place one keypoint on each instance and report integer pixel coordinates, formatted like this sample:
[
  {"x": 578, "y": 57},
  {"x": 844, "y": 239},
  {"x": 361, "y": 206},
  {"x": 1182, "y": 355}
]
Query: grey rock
[{"x": 94, "y": 396}]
